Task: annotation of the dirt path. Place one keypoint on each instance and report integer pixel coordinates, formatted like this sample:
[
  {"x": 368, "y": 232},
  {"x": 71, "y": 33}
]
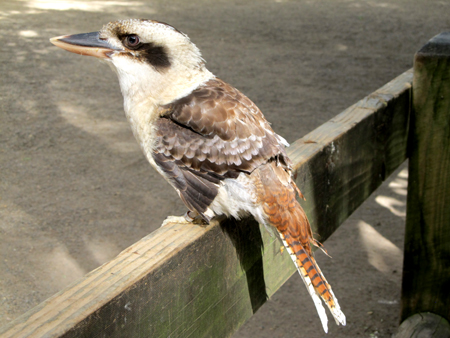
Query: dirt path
[{"x": 75, "y": 189}]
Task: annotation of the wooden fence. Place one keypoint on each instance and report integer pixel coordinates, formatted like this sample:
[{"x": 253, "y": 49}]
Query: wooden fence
[{"x": 192, "y": 281}]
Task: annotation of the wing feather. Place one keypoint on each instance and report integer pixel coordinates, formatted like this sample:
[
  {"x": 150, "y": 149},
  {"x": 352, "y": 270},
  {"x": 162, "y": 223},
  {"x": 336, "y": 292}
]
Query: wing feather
[{"x": 214, "y": 133}]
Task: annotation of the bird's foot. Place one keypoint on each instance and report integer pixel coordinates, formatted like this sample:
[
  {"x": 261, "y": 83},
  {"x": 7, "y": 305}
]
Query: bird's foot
[
  {"x": 189, "y": 217},
  {"x": 174, "y": 220}
]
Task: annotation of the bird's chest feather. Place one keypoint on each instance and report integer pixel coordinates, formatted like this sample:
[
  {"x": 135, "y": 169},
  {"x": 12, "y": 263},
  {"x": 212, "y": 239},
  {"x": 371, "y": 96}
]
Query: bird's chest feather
[{"x": 142, "y": 118}]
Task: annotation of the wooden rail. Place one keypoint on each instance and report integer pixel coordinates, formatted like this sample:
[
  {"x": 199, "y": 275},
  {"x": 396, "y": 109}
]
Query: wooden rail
[
  {"x": 189, "y": 281},
  {"x": 192, "y": 281}
]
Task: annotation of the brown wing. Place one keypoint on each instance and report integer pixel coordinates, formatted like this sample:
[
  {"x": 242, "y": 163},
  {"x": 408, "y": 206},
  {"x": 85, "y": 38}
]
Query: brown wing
[{"x": 214, "y": 133}]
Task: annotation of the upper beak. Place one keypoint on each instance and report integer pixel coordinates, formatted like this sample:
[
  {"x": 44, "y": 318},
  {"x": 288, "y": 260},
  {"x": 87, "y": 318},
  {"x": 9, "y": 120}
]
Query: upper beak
[{"x": 85, "y": 44}]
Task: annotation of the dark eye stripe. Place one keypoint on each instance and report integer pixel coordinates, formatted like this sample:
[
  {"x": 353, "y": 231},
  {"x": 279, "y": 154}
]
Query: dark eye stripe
[
  {"x": 150, "y": 53},
  {"x": 154, "y": 55}
]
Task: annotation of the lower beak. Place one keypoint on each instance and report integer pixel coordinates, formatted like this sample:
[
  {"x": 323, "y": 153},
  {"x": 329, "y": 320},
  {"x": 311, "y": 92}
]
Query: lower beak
[{"x": 85, "y": 44}]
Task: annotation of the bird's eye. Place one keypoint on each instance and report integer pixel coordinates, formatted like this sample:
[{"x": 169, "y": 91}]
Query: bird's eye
[{"x": 132, "y": 41}]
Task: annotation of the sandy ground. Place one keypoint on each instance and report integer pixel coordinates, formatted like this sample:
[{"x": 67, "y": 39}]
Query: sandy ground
[{"x": 75, "y": 189}]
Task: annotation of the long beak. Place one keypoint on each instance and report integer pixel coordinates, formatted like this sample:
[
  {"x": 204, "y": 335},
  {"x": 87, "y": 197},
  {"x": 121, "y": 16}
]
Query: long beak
[{"x": 85, "y": 44}]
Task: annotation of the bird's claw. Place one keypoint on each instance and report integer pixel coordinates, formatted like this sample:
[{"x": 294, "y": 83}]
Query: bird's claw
[
  {"x": 173, "y": 220},
  {"x": 187, "y": 218}
]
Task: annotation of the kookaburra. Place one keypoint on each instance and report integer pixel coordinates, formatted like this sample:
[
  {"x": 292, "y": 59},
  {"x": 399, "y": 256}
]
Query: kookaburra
[{"x": 206, "y": 138}]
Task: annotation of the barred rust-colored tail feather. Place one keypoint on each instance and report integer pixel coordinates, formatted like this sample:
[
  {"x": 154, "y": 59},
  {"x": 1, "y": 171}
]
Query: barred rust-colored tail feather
[{"x": 287, "y": 216}]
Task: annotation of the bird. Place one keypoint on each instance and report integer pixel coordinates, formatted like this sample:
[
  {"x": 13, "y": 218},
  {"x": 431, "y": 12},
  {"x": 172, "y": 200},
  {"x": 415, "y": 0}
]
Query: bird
[{"x": 208, "y": 140}]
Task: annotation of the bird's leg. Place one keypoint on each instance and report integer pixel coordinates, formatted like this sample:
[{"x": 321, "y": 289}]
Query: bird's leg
[
  {"x": 186, "y": 218},
  {"x": 189, "y": 217}
]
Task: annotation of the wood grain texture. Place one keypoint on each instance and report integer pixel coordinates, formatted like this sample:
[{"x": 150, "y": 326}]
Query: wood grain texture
[
  {"x": 191, "y": 281},
  {"x": 426, "y": 271},
  {"x": 424, "y": 325}
]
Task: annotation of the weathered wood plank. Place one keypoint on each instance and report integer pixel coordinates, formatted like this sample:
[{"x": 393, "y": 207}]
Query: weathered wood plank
[
  {"x": 426, "y": 325},
  {"x": 189, "y": 281},
  {"x": 343, "y": 161},
  {"x": 426, "y": 271}
]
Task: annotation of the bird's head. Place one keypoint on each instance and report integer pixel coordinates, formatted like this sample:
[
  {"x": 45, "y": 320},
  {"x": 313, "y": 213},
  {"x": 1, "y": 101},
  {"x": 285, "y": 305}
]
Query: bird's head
[{"x": 155, "y": 62}]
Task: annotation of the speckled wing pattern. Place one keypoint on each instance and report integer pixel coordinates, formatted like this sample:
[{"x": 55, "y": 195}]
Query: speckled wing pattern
[{"x": 214, "y": 133}]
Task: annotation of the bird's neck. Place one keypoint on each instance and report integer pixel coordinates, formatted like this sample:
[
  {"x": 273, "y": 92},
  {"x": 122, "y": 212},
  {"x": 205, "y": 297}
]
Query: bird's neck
[
  {"x": 143, "y": 99},
  {"x": 150, "y": 87}
]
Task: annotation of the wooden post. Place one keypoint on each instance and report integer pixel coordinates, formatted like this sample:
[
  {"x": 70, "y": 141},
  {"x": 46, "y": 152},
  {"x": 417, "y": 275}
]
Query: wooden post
[
  {"x": 426, "y": 271},
  {"x": 424, "y": 325}
]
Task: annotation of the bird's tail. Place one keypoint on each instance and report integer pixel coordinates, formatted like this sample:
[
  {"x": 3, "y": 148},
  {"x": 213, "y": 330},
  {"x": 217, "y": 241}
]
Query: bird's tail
[
  {"x": 314, "y": 280},
  {"x": 287, "y": 216}
]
